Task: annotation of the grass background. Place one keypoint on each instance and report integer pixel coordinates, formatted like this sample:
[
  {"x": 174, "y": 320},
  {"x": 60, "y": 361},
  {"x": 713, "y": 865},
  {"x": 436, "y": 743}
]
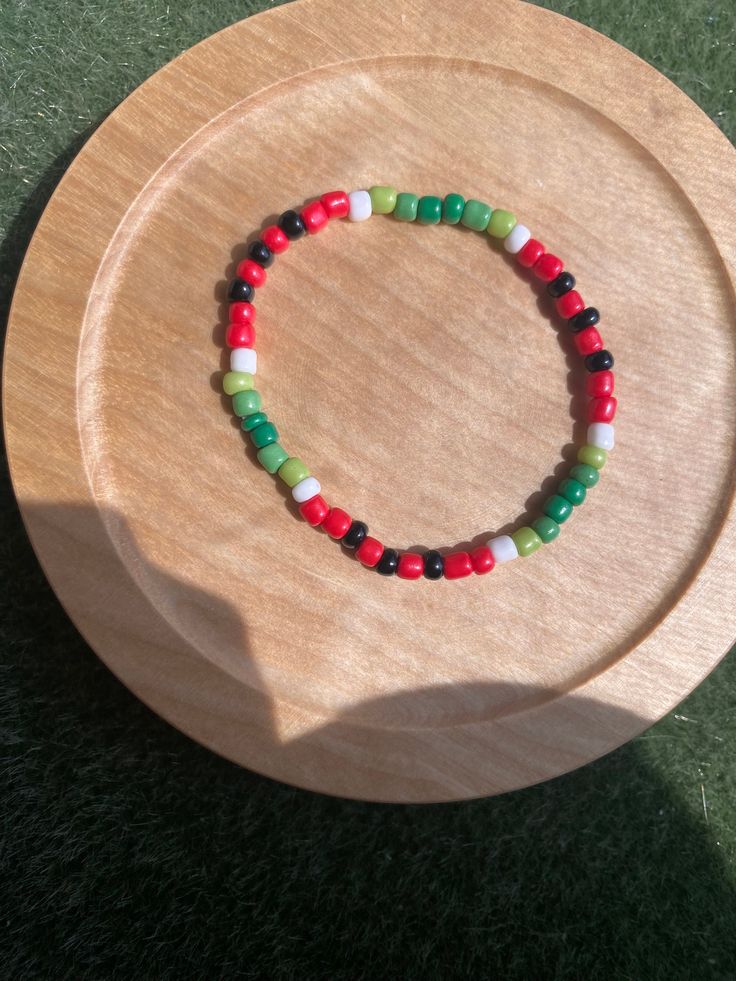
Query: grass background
[{"x": 127, "y": 851}]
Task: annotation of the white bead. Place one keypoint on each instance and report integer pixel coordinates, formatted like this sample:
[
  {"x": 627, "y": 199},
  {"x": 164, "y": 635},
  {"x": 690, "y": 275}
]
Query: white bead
[
  {"x": 517, "y": 239},
  {"x": 243, "y": 359},
  {"x": 600, "y": 434},
  {"x": 503, "y": 548},
  {"x": 360, "y": 205},
  {"x": 306, "y": 489}
]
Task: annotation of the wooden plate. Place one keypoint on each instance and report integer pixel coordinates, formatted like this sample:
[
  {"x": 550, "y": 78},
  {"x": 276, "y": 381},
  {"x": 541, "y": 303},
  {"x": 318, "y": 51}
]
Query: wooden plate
[{"x": 416, "y": 370}]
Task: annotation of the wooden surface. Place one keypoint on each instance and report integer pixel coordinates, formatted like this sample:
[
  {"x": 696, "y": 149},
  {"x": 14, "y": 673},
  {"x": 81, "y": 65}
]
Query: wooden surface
[{"x": 416, "y": 371}]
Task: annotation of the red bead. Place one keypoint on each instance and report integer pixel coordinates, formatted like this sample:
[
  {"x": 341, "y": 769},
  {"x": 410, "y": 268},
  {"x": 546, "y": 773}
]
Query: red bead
[
  {"x": 411, "y": 566},
  {"x": 482, "y": 559},
  {"x": 530, "y": 253},
  {"x": 314, "y": 217},
  {"x": 569, "y": 304},
  {"x": 547, "y": 267},
  {"x": 275, "y": 239},
  {"x": 599, "y": 384},
  {"x": 602, "y": 410},
  {"x": 336, "y": 204},
  {"x": 588, "y": 341},
  {"x": 240, "y": 335},
  {"x": 457, "y": 565},
  {"x": 251, "y": 272},
  {"x": 315, "y": 510},
  {"x": 369, "y": 551},
  {"x": 242, "y": 313},
  {"x": 337, "y": 522}
]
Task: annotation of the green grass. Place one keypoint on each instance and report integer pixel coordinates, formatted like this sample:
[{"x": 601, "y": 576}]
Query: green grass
[{"x": 127, "y": 851}]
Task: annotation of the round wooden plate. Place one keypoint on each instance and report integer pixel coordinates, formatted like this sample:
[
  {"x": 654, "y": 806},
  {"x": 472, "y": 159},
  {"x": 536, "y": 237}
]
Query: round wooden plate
[{"x": 418, "y": 372}]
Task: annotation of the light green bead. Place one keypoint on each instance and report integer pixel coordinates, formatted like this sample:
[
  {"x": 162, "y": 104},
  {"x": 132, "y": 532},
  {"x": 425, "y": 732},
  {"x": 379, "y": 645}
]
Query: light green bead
[
  {"x": 476, "y": 215},
  {"x": 594, "y": 456},
  {"x": 501, "y": 223},
  {"x": 246, "y": 402},
  {"x": 383, "y": 200},
  {"x": 546, "y": 528},
  {"x": 293, "y": 470},
  {"x": 587, "y": 475},
  {"x": 429, "y": 210},
  {"x": 272, "y": 456},
  {"x": 452, "y": 209},
  {"x": 237, "y": 381},
  {"x": 526, "y": 541},
  {"x": 406, "y": 206}
]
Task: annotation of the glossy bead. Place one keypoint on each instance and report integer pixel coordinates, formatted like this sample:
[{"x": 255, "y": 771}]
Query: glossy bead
[
  {"x": 314, "y": 217},
  {"x": 503, "y": 548},
  {"x": 264, "y": 434},
  {"x": 336, "y": 204},
  {"x": 452, "y": 210},
  {"x": 360, "y": 206},
  {"x": 561, "y": 284},
  {"x": 558, "y": 508},
  {"x": 594, "y": 456},
  {"x": 588, "y": 476},
  {"x": 602, "y": 410},
  {"x": 259, "y": 252},
  {"x": 291, "y": 225},
  {"x": 246, "y": 402},
  {"x": 355, "y": 534},
  {"x": 600, "y": 434},
  {"x": 569, "y": 304},
  {"x": 383, "y": 199},
  {"x": 587, "y": 317},
  {"x": 251, "y": 272},
  {"x": 429, "y": 210},
  {"x": 547, "y": 267},
  {"x": 275, "y": 239},
  {"x": 600, "y": 361},
  {"x": 293, "y": 470},
  {"x": 388, "y": 563},
  {"x": 240, "y": 290},
  {"x": 411, "y": 566},
  {"x": 457, "y": 565},
  {"x": 243, "y": 359},
  {"x": 531, "y": 253},
  {"x": 526, "y": 540},
  {"x": 236, "y": 381},
  {"x": 588, "y": 341},
  {"x": 572, "y": 490},
  {"x": 433, "y": 565},
  {"x": 305, "y": 489},
  {"x": 516, "y": 239},
  {"x": 476, "y": 215},
  {"x": 240, "y": 335},
  {"x": 337, "y": 522},
  {"x": 272, "y": 456},
  {"x": 242, "y": 313},
  {"x": 314, "y": 510},
  {"x": 369, "y": 552},
  {"x": 406, "y": 206},
  {"x": 256, "y": 419},
  {"x": 482, "y": 559},
  {"x": 546, "y": 528},
  {"x": 501, "y": 223},
  {"x": 600, "y": 384}
]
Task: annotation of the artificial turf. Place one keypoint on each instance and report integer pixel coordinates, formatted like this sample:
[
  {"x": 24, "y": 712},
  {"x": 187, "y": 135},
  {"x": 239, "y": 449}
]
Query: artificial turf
[{"x": 127, "y": 851}]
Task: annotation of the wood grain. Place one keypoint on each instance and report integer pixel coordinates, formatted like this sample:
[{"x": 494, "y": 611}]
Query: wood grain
[{"x": 417, "y": 371}]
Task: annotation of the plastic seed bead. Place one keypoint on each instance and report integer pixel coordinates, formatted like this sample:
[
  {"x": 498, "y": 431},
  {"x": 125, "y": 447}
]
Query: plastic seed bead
[
  {"x": 476, "y": 215},
  {"x": 314, "y": 217},
  {"x": 253, "y": 421},
  {"x": 406, "y": 207},
  {"x": 547, "y": 267},
  {"x": 561, "y": 284},
  {"x": 546, "y": 528},
  {"x": 411, "y": 566},
  {"x": 594, "y": 456},
  {"x": 388, "y": 563},
  {"x": 602, "y": 410},
  {"x": 587, "y": 317},
  {"x": 243, "y": 359},
  {"x": 588, "y": 341},
  {"x": 259, "y": 252},
  {"x": 600, "y": 361},
  {"x": 482, "y": 559},
  {"x": 336, "y": 204},
  {"x": 264, "y": 434},
  {"x": 293, "y": 471},
  {"x": 558, "y": 508},
  {"x": 314, "y": 510},
  {"x": 433, "y": 565},
  {"x": 452, "y": 208},
  {"x": 305, "y": 489},
  {"x": 237, "y": 381},
  {"x": 530, "y": 253},
  {"x": 242, "y": 313},
  {"x": 429, "y": 210},
  {"x": 240, "y": 290},
  {"x": 360, "y": 206},
  {"x": 369, "y": 551},
  {"x": 526, "y": 541},
  {"x": 572, "y": 490},
  {"x": 272, "y": 456},
  {"x": 246, "y": 402},
  {"x": 275, "y": 239},
  {"x": 600, "y": 385},
  {"x": 600, "y": 434},
  {"x": 457, "y": 565},
  {"x": 383, "y": 200},
  {"x": 587, "y": 475},
  {"x": 337, "y": 522},
  {"x": 500, "y": 223},
  {"x": 251, "y": 272},
  {"x": 569, "y": 304},
  {"x": 517, "y": 238},
  {"x": 355, "y": 534},
  {"x": 503, "y": 548},
  {"x": 291, "y": 225}
]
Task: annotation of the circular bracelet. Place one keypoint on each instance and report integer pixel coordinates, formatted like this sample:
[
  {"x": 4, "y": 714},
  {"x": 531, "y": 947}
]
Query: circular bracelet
[{"x": 306, "y": 490}]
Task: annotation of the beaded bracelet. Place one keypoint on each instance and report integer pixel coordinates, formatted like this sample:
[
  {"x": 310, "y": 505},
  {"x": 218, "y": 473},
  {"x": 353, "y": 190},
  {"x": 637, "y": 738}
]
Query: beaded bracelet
[{"x": 530, "y": 253}]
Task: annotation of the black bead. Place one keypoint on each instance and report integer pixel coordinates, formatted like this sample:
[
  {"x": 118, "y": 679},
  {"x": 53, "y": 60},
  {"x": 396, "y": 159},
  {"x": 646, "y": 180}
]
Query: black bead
[
  {"x": 388, "y": 562},
  {"x": 588, "y": 317},
  {"x": 291, "y": 225},
  {"x": 240, "y": 291},
  {"x": 434, "y": 565},
  {"x": 600, "y": 361},
  {"x": 561, "y": 285},
  {"x": 259, "y": 252},
  {"x": 355, "y": 534}
]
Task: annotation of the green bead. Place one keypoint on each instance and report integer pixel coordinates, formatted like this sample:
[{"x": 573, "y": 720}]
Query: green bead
[
  {"x": 429, "y": 210},
  {"x": 383, "y": 200},
  {"x": 406, "y": 206},
  {"x": 264, "y": 434},
  {"x": 476, "y": 215},
  {"x": 250, "y": 422},
  {"x": 237, "y": 381},
  {"x": 272, "y": 456},
  {"x": 452, "y": 209},
  {"x": 526, "y": 541},
  {"x": 245, "y": 403},
  {"x": 558, "y": 508},
  {"x": 293, "y": 470},
  {"x": 573, "y": 490},
  {"x": 501, "y": 223},
  {"x": 546, "y": 528},
  {"x": 594, "y": 456},
  {"x": 587, "y": 475}
]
